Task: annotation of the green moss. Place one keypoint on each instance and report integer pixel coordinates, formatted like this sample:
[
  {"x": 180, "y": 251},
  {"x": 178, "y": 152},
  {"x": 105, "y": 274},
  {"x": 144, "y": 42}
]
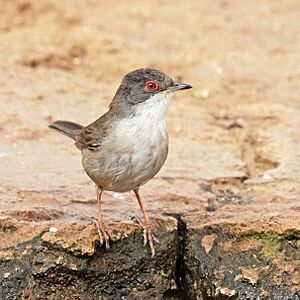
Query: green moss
[{"x": 270, "y": 243}]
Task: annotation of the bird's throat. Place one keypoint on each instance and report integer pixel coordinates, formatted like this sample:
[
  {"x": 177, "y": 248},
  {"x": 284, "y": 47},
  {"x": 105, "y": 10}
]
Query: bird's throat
[{"x": 154, "y": 109}]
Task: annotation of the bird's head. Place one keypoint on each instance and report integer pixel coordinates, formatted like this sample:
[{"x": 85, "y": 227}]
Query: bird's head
[{"x": 146, "y": 85}]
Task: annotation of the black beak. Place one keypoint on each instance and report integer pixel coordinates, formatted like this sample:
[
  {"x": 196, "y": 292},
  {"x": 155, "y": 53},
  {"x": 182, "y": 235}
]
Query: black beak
[{"x": 179, "y": 86}]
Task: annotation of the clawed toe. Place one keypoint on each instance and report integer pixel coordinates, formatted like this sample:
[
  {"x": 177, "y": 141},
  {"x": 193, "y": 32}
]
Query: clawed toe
[
  {"x": 104, "y": 235},
  {"x": 148, "y": 235}
]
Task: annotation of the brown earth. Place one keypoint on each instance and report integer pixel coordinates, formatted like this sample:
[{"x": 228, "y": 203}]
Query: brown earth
[{"x": 226, "y": 205}]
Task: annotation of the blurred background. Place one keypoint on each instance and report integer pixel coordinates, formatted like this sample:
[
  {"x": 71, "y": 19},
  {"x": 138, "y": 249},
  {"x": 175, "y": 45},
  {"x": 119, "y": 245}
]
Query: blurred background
[{"x": 65, "y": 59}]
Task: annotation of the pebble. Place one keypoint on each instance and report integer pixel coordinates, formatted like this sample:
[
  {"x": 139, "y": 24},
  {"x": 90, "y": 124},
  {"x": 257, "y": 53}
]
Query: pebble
[
  {"x": 267, "y": 177},
  {"x": 53, "y": 229}
]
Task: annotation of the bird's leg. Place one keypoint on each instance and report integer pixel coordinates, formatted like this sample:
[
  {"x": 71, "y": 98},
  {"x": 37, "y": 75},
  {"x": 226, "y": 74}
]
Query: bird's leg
[
  {"x": 146, "y": 225},
  {"x": 102, "y": 231}
]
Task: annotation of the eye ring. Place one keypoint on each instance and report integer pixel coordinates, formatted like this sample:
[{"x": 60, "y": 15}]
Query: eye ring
[{"x": 151, "y": 86}]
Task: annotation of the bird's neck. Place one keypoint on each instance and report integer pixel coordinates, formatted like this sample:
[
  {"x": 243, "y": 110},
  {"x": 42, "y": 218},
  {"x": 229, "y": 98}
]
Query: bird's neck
[{"x": 153, "y": 109}]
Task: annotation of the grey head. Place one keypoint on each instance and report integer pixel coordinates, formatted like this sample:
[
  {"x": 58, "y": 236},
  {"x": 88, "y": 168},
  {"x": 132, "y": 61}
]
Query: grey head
[{"x": 140, "y": 85}]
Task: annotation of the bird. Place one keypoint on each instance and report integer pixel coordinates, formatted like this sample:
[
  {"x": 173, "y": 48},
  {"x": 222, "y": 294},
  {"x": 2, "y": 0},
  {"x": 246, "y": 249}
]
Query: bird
[{"x": 127, "y": 145}]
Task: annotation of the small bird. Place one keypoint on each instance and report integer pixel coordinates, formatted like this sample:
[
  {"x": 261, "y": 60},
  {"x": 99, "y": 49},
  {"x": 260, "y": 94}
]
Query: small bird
[{"x": 128, "y": 145}]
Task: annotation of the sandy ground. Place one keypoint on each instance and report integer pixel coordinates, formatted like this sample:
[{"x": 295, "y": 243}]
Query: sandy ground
[{"x": 234, "y": 138}]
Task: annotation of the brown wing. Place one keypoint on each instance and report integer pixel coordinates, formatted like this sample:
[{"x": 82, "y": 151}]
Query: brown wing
[{"x": 92, "y": 135}]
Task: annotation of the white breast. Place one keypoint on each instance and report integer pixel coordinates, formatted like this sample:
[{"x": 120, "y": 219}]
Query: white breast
[{"x": 138, "y": 146}]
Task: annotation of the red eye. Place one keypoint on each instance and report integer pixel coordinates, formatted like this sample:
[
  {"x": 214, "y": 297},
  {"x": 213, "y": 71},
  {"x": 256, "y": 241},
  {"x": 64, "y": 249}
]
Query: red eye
[{"x": 151, "y": 86}]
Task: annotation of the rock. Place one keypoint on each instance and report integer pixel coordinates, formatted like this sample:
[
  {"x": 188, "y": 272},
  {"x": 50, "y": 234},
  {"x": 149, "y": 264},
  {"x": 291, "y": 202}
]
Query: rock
[
  {"x": 70, "y": 264},
  {"x": 250, "y": 260}
]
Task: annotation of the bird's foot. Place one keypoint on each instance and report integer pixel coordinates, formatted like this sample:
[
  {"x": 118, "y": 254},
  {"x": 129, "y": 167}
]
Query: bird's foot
[
  {"x": 148, "y": 235},
  {"x": 104, "y": 235}
]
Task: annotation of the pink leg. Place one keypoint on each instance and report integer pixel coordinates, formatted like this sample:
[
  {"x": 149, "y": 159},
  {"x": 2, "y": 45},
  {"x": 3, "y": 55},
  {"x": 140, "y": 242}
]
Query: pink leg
[
  {"x": 102, "y": 231},
  {"x": 146, "y": 225}
]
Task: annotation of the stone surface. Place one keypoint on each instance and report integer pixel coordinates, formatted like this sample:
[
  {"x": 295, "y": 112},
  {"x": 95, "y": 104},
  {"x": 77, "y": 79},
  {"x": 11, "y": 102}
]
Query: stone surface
[
  {"x": 226, "y": 204},
  {"x": 70, "y": 264},
  {"x": 254, "y": 259}
]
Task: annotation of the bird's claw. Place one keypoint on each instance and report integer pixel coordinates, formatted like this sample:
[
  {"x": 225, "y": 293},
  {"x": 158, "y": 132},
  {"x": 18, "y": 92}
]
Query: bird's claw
[
  {"x": 148, "y": 235},
  {"x": 104, "y": 235}
]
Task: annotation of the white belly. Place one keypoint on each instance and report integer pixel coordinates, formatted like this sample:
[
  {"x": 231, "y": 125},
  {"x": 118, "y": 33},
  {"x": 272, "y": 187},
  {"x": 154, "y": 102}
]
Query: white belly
[{"x": 138, "y": 160}]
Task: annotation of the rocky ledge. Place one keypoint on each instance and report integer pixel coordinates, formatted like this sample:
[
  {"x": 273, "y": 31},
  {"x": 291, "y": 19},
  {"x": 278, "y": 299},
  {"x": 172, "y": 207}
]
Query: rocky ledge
[{"x": 215, "y": 260}]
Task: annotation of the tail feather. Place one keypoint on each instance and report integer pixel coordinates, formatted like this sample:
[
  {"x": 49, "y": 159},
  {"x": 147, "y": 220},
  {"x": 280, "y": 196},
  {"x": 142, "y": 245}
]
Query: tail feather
[{"x": 66, "y": 127}]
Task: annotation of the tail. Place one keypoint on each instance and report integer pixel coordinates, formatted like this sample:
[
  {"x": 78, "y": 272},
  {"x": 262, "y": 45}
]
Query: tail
[{"x": 67, "y": 128}]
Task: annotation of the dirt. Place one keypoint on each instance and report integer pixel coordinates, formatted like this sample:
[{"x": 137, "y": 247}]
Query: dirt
[{"x": 234, "y": 138}]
